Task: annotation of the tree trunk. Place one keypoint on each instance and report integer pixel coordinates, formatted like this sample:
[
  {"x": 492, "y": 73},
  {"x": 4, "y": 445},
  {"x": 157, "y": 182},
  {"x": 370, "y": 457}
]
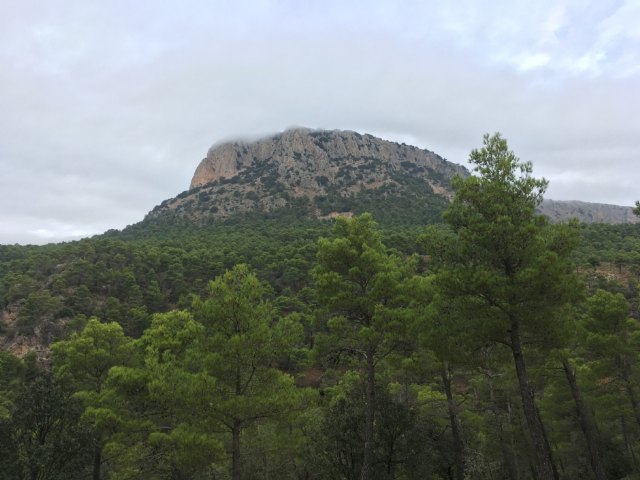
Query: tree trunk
[
  {"x": 235, "y": 450},
  {"x": 544, "y": 468},
  {"x": 390, "y": 454},
  {"x": 587, "y": 423},
  {"x": 458, "y": 444},
  {"x": 235, "y": 431},
  {"x": 97, "y": 462},
  {"x": 367, "y": 459},
  {"x": 627, "y": 444},
  {"x": 631, "y": 393},
  {"x": 512, "y": 439},
  {"x": 507, "y": 457}
]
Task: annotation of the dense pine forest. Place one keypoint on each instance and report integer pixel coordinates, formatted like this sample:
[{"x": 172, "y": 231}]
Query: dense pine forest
[{"x": 489, "y": 344}]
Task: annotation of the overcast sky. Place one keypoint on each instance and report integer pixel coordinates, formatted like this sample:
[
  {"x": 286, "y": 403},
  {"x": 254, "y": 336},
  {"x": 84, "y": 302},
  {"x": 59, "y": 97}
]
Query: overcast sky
[{"x": 107, "y": 107}]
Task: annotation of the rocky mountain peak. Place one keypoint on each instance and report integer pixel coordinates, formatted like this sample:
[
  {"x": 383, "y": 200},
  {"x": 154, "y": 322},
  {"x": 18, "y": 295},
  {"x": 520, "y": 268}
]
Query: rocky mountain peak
[
  {"x": 329, "y": 171},
  {"x": 322, "y": 151}
]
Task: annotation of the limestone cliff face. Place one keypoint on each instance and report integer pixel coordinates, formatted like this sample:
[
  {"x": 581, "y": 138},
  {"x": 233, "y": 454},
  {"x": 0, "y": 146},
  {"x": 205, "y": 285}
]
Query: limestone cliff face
[
  {"x": 317, "y": 165},
  {"x": 304, "y": 152},
  {"x": 222, "y": 161}
]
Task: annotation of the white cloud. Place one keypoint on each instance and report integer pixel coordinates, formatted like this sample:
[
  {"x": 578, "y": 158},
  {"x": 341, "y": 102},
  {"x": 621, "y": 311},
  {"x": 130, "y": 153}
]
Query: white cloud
[
  {"x": 590, "y": 63},
  {"x": 532, "y": 61},
  {"x": 552, "y": 24},
  {"x": 622, "y": 24},
  {"x": 570, "y": 37}
]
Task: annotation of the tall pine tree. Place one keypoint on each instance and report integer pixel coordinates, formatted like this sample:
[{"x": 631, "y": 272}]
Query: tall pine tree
[{"x": 509, "y": 268}]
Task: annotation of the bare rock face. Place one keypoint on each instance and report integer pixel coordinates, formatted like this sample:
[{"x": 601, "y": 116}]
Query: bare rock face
[
  {"x": 22, "y": 344},
  {"x": 223, "y": 161},
  {"x": 315, "y": 151}
]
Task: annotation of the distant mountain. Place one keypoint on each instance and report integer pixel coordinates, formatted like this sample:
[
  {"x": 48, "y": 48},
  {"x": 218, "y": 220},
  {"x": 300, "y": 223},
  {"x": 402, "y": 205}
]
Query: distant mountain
[{"x": 587, "y": 212}]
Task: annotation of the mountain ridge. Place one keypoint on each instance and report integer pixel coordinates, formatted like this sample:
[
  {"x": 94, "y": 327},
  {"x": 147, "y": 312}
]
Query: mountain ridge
[
  {"x": 323, "y": 173},
  {"x": 319, "y": 171},
  {"x": 587, "y": 212}
]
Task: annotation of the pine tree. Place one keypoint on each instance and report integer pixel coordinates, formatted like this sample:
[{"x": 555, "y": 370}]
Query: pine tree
[
  {"x": 508, "y": 268},
  {"x": 360, "y": 283}
]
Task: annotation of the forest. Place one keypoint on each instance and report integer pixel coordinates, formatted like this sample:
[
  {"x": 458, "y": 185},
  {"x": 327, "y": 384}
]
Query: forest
[{"x": 488, "y": 345}]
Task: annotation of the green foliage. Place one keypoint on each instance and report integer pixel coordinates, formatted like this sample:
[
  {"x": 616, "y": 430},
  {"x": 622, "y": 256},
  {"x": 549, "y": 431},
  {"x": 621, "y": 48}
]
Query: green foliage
[
  {"x": 204, "y": 380},
  {"x": 39, "y": 306},
  {"x": 408, "y": 200},
  {"x": 244, "y": 338},
  {"x": 85, "y": 360},
  {"x": 507, "y": 271},
  {"x": 505, "y": 263},
  {"x": 44, "y": 438},
  {"x": 361, "y": 285},
  {"x": 11, "y": 373},
  {"x": 87, "y": 357}
]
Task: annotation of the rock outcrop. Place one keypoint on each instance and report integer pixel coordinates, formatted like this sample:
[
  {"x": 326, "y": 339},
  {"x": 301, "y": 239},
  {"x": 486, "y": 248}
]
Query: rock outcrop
[{"x": 308, "y": 153}]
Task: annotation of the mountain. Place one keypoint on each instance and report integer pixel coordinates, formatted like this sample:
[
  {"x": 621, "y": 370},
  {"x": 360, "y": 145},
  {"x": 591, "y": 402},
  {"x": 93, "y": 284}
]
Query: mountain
[
  {"x": 587, "y": 212},
  {"x": 318, "y": 173},
  {"x": 323, "y": 173}
]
